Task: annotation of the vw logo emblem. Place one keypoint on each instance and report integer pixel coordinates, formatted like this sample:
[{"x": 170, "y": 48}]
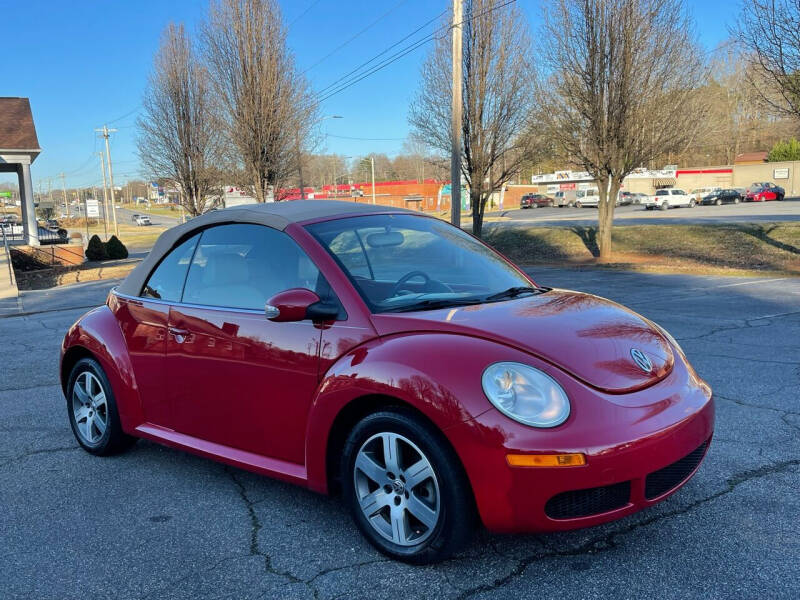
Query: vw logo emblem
[{"x": 641, "y": 360}]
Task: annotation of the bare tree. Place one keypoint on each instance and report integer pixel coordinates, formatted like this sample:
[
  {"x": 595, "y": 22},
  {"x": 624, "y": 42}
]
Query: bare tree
[
  {"x": 768, "y": 30},
  {"x": 497, "y": 99},
  {"x": 620, "y": 89},
  {"x": 267, "y": 102},
  {"x": 178, "y": 134}
]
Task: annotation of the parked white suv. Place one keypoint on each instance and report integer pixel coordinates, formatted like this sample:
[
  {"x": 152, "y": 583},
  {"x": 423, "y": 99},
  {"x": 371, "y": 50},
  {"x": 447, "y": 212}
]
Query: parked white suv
[{"x": 669, "y": 198}]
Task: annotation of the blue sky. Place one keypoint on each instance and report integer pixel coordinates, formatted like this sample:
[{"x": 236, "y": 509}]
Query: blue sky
[{"x": 85, "y": 63}]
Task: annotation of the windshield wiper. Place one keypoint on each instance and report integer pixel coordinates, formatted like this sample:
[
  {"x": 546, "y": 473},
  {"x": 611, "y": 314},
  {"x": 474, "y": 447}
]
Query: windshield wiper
[
  {"x": 513, "y": 292},
  {"x": 434, "y": 303}
]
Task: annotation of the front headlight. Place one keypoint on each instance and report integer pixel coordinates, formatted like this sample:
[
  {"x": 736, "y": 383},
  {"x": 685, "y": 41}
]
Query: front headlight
[{"x": 525, "y": 394}]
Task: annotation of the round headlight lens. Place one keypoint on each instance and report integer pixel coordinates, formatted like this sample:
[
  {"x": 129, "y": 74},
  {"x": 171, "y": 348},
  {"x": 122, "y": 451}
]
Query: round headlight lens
[{"x": 525, "y": 394}]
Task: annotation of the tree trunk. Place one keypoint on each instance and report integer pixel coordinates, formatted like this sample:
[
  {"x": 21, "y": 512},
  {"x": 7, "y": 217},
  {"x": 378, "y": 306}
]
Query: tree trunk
[
  {"x": 478, "y": 205},
  {"x": 608, "y": 190}
]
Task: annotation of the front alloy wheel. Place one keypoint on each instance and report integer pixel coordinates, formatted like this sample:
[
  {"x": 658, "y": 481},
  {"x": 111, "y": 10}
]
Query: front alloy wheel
[
  {"x": 406, "y": 488},
  {"x": 397, "y": 489},
  {"x": 92, "y": 410},
  {"x": 89, "y": 408}
]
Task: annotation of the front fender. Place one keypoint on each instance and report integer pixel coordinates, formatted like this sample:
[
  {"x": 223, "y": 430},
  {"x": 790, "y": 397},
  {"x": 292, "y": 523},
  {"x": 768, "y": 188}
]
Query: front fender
[
  {"x": 439, "y": 374},
  {"x": 98, "y": 333}
]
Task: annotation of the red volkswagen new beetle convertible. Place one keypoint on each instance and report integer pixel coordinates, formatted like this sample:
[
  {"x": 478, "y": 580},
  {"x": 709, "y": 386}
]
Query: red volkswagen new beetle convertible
[{"x": 391, "y": 357}]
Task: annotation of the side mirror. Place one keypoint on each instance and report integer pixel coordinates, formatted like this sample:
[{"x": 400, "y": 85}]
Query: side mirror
[{"x": 298, "y": 304}]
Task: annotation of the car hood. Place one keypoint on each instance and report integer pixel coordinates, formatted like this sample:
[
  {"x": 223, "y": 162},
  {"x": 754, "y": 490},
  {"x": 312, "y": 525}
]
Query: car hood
[{"x": 589, "y": 337}]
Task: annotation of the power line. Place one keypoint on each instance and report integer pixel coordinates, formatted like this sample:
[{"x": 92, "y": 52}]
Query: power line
[
  {"x": 127, "y": 114},
  {"x": 354, "y": 36},
  {"x": 385, "y": 50},
  {"x": 303, "y": 14},
  {"x": 343, "y": 85},
  {"x": 366, "y": 139}
]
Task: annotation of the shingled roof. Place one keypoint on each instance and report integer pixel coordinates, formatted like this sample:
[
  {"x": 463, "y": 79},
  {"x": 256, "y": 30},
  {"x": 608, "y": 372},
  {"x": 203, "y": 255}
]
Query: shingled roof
[{"x": 17, "y": 131}]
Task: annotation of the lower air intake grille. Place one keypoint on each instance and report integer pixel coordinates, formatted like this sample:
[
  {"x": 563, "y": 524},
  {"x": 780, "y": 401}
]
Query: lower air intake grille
[
  {"x": 584, "y": 503},
  {"x": 663, "y": 480}
]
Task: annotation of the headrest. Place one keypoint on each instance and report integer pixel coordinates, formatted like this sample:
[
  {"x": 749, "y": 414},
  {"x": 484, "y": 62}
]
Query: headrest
[{"x": 225, "y": 269}]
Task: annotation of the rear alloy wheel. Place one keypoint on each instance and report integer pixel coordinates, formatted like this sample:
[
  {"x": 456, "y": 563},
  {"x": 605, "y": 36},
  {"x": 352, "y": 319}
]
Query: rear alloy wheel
[
  {"x": 718, "y": 202},
  {"x": 92, "y": 410},
  {"x": 405, "y": 488}
]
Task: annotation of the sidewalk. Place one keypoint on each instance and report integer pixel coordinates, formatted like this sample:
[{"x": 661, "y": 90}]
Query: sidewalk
[
  {"x": 9, "y": 295},
  {"x": 8, "y": 285}
]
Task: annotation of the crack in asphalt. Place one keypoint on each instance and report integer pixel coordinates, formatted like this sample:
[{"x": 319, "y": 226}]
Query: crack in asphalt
[
  {"x": 716, "y": 330},
  {"x": 36, "y": 452},
  {"x": 752, "y": 405},
  {"x": 608, "y": 541},
  {"x": 792, "y": 363},
  {"x": 254, "y": 550},
  {"x": 255, "y": 527},
  {"x": 30, "y": 387}
]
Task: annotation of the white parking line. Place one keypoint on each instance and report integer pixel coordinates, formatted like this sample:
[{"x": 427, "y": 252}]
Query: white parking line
[{"x": 751, "y": 282}]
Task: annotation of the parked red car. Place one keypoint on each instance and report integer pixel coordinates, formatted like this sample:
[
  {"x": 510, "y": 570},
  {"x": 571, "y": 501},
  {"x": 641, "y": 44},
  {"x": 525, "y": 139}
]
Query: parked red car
[
  {"x": 395, "y": 359},
  {"x": 761, "y": 192},
  {"x": 534, "y": 200}
]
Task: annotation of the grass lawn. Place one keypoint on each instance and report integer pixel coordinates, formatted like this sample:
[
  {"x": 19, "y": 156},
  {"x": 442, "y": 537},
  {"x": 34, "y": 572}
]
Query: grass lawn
[
  {"x": 724, "y": 249},
  {"x": 133, "y": 236},
  {"x": 170, "y": 210}
]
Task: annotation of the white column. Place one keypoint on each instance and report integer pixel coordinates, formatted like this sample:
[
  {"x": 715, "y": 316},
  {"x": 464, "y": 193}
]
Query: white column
[{"x": 29, "y": 225}]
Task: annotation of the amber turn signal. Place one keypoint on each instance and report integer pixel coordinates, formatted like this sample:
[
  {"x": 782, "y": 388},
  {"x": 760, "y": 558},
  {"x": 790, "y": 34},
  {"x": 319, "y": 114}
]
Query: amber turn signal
[{"x": 545, "y": 460}]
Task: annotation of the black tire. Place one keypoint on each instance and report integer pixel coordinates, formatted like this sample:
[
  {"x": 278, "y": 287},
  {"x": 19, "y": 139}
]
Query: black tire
[
  {"x": 780, "y": 197},
  {"x": 578, "y": 205},
  {"x": 113, "y": 440},
  {"x": 664, "y": 206},
  {"x": 718, "y": 202},
  {"x": 457, "y": 515}
]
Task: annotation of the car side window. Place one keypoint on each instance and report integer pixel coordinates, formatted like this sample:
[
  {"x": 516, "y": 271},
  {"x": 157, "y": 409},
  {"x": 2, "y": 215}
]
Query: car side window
[
  {"x": 166, "y": 280},
  {"x": 242, "y": 266}
]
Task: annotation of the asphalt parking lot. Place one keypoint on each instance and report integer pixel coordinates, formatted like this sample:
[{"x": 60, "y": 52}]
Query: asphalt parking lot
[
  {"x": 157, "y": 523},
  {"x": 745, "y": 212}
]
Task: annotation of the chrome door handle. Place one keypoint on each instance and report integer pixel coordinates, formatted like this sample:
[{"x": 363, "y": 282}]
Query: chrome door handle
[{"x": 179, "y": 334}]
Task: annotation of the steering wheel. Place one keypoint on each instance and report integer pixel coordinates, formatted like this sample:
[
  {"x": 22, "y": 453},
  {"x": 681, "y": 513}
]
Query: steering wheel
[{"x": 408, "y": 277}]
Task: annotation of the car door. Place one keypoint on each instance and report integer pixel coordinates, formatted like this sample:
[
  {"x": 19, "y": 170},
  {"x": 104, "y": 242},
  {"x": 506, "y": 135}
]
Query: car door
[
  {"x": 234, "y": 377},
  {"x": 143, "y": 320}
]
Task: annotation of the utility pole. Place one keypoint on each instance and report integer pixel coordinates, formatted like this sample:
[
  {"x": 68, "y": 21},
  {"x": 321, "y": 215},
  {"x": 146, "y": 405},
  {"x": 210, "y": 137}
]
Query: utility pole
[
  {"x": 372, "y": 164},
  {"x": 105, "y": 194},
  {"x": 455, "y": 117},
  {"x": 64, "y": 189},
  {"x": 106, "y": 131}
]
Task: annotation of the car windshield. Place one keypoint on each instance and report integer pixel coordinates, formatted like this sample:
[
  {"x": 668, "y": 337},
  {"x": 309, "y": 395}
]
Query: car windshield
[{"x": 406, "y": 262}]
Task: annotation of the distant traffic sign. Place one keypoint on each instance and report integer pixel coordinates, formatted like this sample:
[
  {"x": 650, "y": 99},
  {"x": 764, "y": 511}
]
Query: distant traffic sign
[{"x": 92, "y": 209}]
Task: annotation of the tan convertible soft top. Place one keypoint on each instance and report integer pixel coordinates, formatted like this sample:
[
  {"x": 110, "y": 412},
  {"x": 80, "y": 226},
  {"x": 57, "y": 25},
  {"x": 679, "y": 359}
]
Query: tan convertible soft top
[{"x": 277, "y": 215}]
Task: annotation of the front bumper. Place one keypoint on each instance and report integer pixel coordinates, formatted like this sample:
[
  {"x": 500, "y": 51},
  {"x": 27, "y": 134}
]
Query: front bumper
[{"x": 633, "y": 443}]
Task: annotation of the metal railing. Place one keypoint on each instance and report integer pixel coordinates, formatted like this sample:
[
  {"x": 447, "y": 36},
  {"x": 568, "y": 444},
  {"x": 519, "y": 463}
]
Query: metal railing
[
  {"x": 15, "y": 233},
  {"x": 11, "y": 277}
]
